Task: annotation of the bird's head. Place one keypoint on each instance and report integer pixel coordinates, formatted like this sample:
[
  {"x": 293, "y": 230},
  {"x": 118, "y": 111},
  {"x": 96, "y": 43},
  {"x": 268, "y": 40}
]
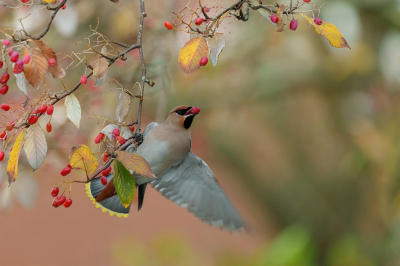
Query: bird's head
[{"x": 183, "y": 115}]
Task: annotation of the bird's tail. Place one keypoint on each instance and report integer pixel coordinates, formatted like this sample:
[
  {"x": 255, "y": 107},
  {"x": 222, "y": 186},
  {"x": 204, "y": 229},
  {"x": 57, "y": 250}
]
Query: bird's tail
[{"x": 106, "y": 197}]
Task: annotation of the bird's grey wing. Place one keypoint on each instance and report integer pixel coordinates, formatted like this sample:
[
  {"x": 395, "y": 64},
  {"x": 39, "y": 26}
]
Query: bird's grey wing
[
  {"x": 132, "y": 148},
  {"x": 192, "y": 184}
]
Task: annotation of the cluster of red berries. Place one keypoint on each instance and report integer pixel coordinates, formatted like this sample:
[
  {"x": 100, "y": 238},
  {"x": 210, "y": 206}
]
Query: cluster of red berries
[
  {"x": 116, "y": 134},
  {"x": 294, "y": 23},
  {"x": 65, "y": 171},
  {"x": 60, "y": 200},
  {"x": 104, "y": 175}
]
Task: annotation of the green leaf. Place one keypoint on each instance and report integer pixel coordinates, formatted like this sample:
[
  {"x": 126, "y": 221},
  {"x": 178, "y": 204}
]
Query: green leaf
[{"x": 124, "y": 183}]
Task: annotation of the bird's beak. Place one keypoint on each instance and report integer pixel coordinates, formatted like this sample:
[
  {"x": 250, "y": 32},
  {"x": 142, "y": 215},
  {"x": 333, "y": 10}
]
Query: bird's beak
[{"x": 193, "y": 111}]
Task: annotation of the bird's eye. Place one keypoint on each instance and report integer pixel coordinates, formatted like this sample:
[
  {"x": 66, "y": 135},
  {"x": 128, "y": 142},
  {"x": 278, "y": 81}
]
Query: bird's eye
[{"x": 182, "y": 112}]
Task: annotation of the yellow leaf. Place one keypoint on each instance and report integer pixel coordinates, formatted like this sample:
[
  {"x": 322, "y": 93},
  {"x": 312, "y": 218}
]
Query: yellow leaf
[
  {"x": 191, "y": 53},
  {"x": 12, "y": 167},
  {"x": 330, "y": 32},
  {"x": 135, "y": 163},
  {"x": 280, "y": 20},
  {"x": 82, "y": 157},
  {"x": 48, "y": 52}
]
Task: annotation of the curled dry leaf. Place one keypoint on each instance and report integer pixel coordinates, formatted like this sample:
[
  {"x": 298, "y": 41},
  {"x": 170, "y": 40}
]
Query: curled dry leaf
[
  {"x": 135, "y": 163},
  {"x": 35, "y": 145},
  {"x": 280, "y": 21},
  {"x": 122, "y": 108},
  {"x": 216, "y": 44},
  {"x": 124, "y": 184},
  {"x": 82, "y": 157},
  {"x": 48, "y": 52},
  {"x": 73, "y": 109},
  {"x": 191, "y": 53},
  {"x": 36, "y": 70},
  {"x": 330, "y": 32},
  {"x": 12, "y": 167}
]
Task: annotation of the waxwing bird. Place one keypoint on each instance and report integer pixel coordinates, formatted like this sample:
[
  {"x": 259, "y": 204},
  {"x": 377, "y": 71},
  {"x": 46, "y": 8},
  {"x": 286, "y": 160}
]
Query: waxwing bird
[{"x": 182, "y": 177}]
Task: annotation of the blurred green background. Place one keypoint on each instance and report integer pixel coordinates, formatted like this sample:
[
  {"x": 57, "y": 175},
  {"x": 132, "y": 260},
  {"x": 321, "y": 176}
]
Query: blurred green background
[{"x": 304, "y": 136}]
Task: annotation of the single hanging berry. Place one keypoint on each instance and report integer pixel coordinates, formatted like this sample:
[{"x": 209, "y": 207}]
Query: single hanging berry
[
  {"x": 120, "y": 140},
  {"x": 203, "y": 61},
  {"x": 68, "y": 203},
  {"x": 307, "y": 1},
  {"x": 6, "y": 42},
  {"x": 106, "y": 171},
  {"x": 4, "y": 89},
  {"x": 42, "y": 109},
  {"x": 19, "y": 64},
  {"x": 10, "y": 52},
  {"x": 69, "y": 165},
  {"x": 105, "y": 157},
  {"x": 318, "y": 21},
  {"x": 168, "y": 25},
  {"x": 52, "y": 62},
  {"x": 33, "y": 119},
  {"x": 14, "y": 57},
  {"x": 132, "y": 128},
  {"x": 83, "y": 79},
  {"x": 54, "y": 203},
  {"x": 61, "y": 200},
  {"x": 25, "y": 1},
  {"x": 115, "y": 132},
  {"x": 65, "y": 171},
  {"x": 1, "y": 155},
  {"x": 48, "y": 127},
  {"x": 27, "y": 58},
  {"x": 274, "y": 18},
  {"x": 5, "y": 107},
  {"x": 99, "y": 138},
  {"x": 1, "y": 64},
  {"x": 3, "y": 136},
  {"x": 54, "y": 191},
  {"x": 206, "y": 10},
  {"x": 293, "y": 24},
  {"x": 198, "y": 21},
  {"x": 103, "y": 180},
  {"x": 4, "y": 78},
  {"x": 50, "y": 110}
]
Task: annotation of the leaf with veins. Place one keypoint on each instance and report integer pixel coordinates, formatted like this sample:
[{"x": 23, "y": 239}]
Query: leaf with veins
[
  {"x": 35, "y": 146},
  {"x": 73, "y": 109},
  {"x": 122, "y": 108}
]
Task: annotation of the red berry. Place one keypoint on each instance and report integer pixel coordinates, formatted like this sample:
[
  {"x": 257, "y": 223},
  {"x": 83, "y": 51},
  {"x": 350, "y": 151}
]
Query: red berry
[
  {"x": 67, "y": 203},
  {"x": 106, "y": 171},
  {"x": 19, "y": 64},
  {"x": 318, "y": 21},
  {"x": 50, "y": 109},
  {"x": 33, "y": 119},
  {"x": 293, "y": 24},
  {"x": 14, "y": 57},
  {"x": 54, "y": 191},
  {"x": 10, "y": 52},
  {"x": 48, "y": 127},
  {"x": 25, "y": 1},
  {"x": 120, "y": 140},
  {"x": 17, "y": 71},
  {"x": 168, "y": 25},
  {"x": 5, "y": 107},
  {"x": 27, "y": 58},
  {"x": 52, "y": 62},
  {"x": 99, "y": 138},
  {"x": 198, "y": 21},
  {"x": 3, "y": 136},
  {"x": 4, "y": 78},
  {"x": 1, "y": 64},
  {"x": 55, "y": 202},
  {"x": 4, "y": 89},
  {"x": 65, "y": 171},
  {"x": 69, "y": 165},
  {"x": 6, "y": 42},
  {"x": 83, "y": 79},
  {"x": 42, "y": 109},
  {"x": 10, "y": 126},
  {"x": 105, "y": 157},
  {"x": 1, "y": 155},
  {"x": 103, "y": 180},
  {"x": 307, "y": 1},
  {"x": 206, "y": 10},
  {"x": 132, "y": 128},
  {"x": 64, "y": 6},
  {"x": 116, "y": 132},
  {"x": 274, "y": 18},
  {"x": 61, "y": 200},
  {"x": 203, "y": 61}
]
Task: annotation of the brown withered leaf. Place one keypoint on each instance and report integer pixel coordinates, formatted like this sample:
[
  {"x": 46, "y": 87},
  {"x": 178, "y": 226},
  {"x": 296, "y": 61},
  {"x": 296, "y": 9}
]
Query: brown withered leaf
[
  {"x": 100, "y": 68},
  {"x": 36, "y": 69},
  {"x": 48, "y": 52},
  {"x": 190, "y": 55},
  {"x": 135, "y": 163},
  {"x": 280, "y": 21}
]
